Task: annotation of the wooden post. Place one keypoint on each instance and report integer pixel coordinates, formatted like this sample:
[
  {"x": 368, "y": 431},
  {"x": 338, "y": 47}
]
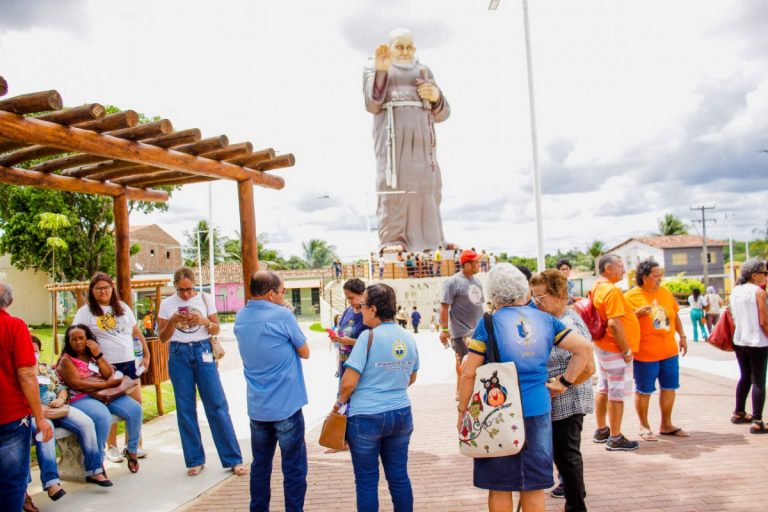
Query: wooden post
[
  {"x": 249, "y": 248},
  {"x": 122, "y": 248},
  {"x": 159, "y": 398},
  {"x": 79, "y": 298},
  {"x": 55, "y": 321}
]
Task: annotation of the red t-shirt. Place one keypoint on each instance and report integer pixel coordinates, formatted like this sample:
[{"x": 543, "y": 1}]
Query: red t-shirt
[{"x": 16, "y": 352}]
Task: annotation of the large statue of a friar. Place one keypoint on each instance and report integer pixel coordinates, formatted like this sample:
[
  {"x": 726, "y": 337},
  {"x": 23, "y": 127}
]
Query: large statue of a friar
[{"x": 406, "y": 103}]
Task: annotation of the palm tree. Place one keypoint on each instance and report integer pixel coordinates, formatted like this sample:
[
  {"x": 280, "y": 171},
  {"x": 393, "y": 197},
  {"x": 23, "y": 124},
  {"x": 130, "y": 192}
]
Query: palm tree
[
  {"x": 595, "y": 250},
  {"x": 201, "y": 230},
  {"x": 317, "y": 253},
  {"x": 53, "y": 222},
  {"x": 671, "y": 225}
]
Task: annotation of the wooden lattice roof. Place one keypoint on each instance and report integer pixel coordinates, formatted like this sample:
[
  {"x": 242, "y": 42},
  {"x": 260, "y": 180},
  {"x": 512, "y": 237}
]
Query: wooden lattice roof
[
  {"x": 136, "y": 284},
  {"x": 115, "y": 155}
]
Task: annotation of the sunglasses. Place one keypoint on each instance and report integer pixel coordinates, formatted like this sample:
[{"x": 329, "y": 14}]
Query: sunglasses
[{"x": 185, "y": 290}]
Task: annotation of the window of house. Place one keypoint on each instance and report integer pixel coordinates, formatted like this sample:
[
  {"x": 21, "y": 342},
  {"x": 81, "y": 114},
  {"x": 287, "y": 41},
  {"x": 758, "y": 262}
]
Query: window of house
[
  {"x": 315, "y": 296},
  {"x": 679, "y": 258},
  {"x": 296, "y": 296},
  {"x": 151, "y": 252},
  {"x": 167, "y": 255},
  {"x": 711, "y": 257}
]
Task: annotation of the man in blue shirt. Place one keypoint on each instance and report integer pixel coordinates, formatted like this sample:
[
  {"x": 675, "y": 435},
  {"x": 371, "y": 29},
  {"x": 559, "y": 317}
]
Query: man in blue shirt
[
  {"x": 415, "y": 320},
  {"x": 271, "y": 343}
]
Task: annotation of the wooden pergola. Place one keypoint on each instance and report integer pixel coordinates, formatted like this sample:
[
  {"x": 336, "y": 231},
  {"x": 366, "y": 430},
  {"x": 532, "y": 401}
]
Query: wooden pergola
[{"x": 113, "y": 155}]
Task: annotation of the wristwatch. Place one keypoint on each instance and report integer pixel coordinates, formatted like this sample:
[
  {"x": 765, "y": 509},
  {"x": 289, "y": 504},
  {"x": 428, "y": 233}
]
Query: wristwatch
[{"x": 565, "y": 382}]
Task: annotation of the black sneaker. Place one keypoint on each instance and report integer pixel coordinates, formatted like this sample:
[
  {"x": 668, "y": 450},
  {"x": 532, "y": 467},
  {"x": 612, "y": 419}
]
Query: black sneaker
[
  {"x": 558, "y": 492},
  {"x": 622, "y": 444},
  {"x": 601, "y": 435}
]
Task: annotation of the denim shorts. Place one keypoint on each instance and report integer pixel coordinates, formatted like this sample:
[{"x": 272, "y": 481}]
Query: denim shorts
[
  {"x": 667, "y": 371},
  {"x": 529, "y": 470},
  {"x": 128, "y": 368}
]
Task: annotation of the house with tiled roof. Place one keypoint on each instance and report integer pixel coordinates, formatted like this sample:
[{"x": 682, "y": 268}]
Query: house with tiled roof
[
  {"x": 302, "y": 287},
  {"x": 676, "y": 254},
  {"x": 160, "y": 253}
]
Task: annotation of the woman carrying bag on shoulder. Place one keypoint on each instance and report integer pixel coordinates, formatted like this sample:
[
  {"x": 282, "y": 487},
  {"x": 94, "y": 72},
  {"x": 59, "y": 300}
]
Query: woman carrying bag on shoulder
[
  {"x": 525, "y": 336},
  {"x": 382, "y": 365},
  {"x": 189, "y": 321}
]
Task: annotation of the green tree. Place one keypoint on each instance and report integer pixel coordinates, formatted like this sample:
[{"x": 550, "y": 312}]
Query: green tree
[
  {"x": 595, "y": 249},
  {"x": 671, "y": 225},
  {"x": 318, "y": 254},
  {"x": 53, "y": 222}
]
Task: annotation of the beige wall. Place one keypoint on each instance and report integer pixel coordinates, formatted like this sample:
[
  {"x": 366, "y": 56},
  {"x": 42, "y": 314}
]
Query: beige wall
[{"x": 31, "y": 302}]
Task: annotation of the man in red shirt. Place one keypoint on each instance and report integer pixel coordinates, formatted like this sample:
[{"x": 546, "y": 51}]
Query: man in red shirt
[{"x": 20, "y": 399}]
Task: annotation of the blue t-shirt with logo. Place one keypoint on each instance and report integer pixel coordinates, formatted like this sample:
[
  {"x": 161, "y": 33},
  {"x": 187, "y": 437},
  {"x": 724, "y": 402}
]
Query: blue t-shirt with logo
[
  {"x": 526, "y": 336},
  {"x": 385, "y": 371},
  {"x": 268, "y": 336}
]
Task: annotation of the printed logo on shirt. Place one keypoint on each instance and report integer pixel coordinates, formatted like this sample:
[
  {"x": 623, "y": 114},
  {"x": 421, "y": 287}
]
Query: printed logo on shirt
[
  {"x": 660, "y": 318},
  {"x": 475, "y": 294},
  {"x": 107, "y": 323},
  {"x": 524, "y": 333},
  {"x": 185, "y": 326},
  {"x": 399, "y": 349}
]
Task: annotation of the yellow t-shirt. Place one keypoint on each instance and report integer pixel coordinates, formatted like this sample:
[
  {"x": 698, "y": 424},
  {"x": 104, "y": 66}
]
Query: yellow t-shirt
[
  {"x": 610, "y": 303},
  {"x": 657, "y": 330}
]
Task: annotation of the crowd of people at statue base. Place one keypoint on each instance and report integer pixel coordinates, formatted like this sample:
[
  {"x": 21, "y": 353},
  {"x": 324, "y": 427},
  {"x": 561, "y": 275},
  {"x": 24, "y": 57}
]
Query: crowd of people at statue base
[{"x": 104, "y": 350}]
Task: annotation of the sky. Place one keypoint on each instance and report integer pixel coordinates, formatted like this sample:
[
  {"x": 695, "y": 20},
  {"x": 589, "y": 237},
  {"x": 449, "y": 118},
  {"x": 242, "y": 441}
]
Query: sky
[{"x": 643, "y": 107}]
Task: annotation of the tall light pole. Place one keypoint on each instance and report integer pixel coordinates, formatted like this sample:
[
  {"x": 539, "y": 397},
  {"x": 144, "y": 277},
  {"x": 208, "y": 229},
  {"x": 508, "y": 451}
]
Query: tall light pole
[
  {"x": 211, "y": 262},
  {"x": 705, "y": 254},
  {"x": 729, "y": 216},
  {"x": 534, "y": 137}
]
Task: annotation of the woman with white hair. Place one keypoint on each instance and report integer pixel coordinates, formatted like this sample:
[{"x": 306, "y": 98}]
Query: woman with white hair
[
  {"x": 713, "y": 304},
  {"x": 750, "y": 342},
  {"x": 526, "y": 336}
]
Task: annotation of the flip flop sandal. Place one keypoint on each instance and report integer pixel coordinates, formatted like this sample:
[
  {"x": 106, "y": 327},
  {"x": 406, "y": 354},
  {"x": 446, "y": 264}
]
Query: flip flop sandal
[
  {"x": 741, "y": 418},
  {"x": 195, "y": 470},
  {"x": 758, "y": 427},
  {"x": 133, "y": 461},
  {"x": 678, "y": 432},
  {"x": 647, "y": 435},
  {"x": 240, "y": 470},
  {"x": 57, "y": 495}
]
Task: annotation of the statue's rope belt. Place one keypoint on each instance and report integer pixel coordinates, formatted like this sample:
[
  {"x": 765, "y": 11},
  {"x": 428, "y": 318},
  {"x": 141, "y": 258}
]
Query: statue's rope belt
[{"x": 391, "y": 146}]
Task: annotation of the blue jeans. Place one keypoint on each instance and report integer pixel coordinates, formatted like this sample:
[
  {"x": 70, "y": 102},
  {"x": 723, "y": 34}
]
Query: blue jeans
[
  {"x": 265, "y": 435},
  {"x": 84, "y": 428},
  {"x": 189, "y": 374},
  {"x": 46, "y": 458},
  {"x": 384, "y": 435},
  {"x": 125, "y": 407},
  {"x": 15, "y": 437}
]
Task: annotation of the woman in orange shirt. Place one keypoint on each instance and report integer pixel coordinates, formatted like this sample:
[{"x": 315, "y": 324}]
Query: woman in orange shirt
[{"x": 657, "y": 358}]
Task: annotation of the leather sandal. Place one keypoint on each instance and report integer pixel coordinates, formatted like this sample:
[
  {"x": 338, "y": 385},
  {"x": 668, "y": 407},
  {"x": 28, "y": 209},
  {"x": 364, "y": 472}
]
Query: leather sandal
[
  {"x": 741, "y": 418},
  {"x": 758, "y": 427},
  {"x": 133, "y": 461}
]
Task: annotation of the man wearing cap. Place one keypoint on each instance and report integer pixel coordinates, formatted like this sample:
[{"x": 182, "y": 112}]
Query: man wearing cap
[{"x": 461, "y": 307}]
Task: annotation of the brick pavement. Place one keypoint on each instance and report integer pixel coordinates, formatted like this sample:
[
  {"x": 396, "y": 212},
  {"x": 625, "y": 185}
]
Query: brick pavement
[{"x": 721, "y": 467}]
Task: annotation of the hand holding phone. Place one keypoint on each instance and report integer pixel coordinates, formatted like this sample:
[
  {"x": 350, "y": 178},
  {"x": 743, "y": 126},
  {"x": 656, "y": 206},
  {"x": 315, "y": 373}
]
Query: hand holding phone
[{"x": 332, "y": 334}]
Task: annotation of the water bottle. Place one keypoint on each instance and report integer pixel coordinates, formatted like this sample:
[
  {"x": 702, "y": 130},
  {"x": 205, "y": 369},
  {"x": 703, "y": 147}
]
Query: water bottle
[{"x": 138, "y": 352}]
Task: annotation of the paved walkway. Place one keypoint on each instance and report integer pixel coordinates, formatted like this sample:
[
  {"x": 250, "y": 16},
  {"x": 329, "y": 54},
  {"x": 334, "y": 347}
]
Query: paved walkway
[{"x": 708, "y": 471}]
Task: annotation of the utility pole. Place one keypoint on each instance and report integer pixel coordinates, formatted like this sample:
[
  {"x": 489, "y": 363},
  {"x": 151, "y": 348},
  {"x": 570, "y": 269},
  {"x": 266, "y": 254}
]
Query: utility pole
[
  {"x": 705, "y": 254},
  {"x": 729, "y": 216}
]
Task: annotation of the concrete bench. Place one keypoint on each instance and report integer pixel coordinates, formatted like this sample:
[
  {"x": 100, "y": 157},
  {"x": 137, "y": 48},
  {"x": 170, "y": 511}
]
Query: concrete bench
[{"x": 70, "y": 463}]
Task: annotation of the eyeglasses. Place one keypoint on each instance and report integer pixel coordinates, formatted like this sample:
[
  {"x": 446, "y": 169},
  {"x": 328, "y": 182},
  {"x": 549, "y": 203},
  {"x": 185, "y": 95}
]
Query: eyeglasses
[
  {"x": 185, "y": 290},
  {"x": 101, "y": 288},
  {"x": 539, "y": 298},
  {"x": 279, "y": 292}
]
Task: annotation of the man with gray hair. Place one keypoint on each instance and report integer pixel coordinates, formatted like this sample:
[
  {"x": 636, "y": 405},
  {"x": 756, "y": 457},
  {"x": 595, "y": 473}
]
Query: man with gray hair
[
  {"x": 614, "y": 354},
  {"x": 271, "y": 345},
  {"x": 20, "y": 399}
]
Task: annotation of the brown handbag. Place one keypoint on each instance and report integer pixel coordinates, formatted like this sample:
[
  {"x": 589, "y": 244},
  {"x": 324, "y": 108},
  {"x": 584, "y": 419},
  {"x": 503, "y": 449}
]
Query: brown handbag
[
  {"x": 334, "y": 431},
  {"x": 108, "y": 395}
]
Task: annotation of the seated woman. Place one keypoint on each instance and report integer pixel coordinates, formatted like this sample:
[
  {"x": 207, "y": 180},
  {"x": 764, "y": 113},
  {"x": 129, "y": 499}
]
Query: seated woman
[
  {"x": 53, "y": 395},
  {"x": 82, "y": 360},
  {"x": 526, "y": 336}
]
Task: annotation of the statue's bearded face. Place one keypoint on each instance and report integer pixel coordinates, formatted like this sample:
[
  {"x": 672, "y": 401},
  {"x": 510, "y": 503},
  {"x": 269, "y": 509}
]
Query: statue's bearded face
[{"x": 403, "y": 50}]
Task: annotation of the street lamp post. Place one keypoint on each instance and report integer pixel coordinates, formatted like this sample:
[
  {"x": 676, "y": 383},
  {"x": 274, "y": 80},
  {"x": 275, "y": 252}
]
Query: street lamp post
[
  {"x": 728, "y": 217},
  {"x": 534, "y": 137}
]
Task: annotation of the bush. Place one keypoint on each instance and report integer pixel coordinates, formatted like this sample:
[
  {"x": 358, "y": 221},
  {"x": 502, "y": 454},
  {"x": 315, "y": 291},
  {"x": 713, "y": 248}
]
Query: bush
[{"x": 683, "y": 285}]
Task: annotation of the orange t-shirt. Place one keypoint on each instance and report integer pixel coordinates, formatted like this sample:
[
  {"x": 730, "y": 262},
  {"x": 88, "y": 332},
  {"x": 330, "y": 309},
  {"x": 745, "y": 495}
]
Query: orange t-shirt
[
  {"x": 610, "y": 303},
  {"x": 657, "y": 330}
]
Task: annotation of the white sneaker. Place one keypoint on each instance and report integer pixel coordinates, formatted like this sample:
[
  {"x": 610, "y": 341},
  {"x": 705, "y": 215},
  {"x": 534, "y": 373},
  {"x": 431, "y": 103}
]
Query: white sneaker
[
  {"x": 114, "y": 455},
  {"x": 141, "y": 454}
]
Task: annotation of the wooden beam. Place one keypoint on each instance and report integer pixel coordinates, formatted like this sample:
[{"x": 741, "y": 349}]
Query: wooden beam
[
  {"x": 67, "y": 117},
  {"x": 204, "y": 146},
  {"x": 248, "y": 246},
  {"x": 116, "y": 121},
  {"x": 253, "y": 158},
  {"x": 3, "y": 86},
  {"x": 188, "y": 180},
  {"x": 147, "y": 173},
  {"x": 89, "y": 170},
  {"x": 66, "y": 162},
  {"x": 279, "y": 162},
  {"x": 174, "y": 139},
  {"x": 15, "y": 176},
  {"x": 143, "y": 131},
  {"x": 230, "y": 151},
  {"x": 17, "y": 127},
  {"x": 32, "y": 102},
  {"x": 122, "y": 248}
]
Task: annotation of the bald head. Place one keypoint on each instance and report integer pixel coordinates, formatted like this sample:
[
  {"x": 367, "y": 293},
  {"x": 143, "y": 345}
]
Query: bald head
[
  {"x": 263, "y": 281},
  {"x": 6, "y": 295}
]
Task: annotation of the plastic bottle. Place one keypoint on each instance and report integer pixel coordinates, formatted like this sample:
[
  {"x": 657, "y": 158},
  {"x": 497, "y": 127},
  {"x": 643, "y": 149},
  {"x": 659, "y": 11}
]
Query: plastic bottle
[{"x": 138, "y": 352}]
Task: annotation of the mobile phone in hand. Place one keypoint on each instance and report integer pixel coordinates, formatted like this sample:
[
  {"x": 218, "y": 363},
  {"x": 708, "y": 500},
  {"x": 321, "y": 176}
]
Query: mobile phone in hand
[
  {"x": 184, "y": 310},
  {"x": 332, "y": 333}
]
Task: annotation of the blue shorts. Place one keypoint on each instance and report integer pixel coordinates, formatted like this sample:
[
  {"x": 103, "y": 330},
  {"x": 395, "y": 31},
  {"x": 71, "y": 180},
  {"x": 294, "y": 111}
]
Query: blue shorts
[
  {"x": 667, "y": 371},
  {"x": 128, "y": 368},
  {"x": 529, "y": 470}
]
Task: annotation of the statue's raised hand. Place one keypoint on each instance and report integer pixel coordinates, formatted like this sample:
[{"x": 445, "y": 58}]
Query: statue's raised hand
[{"x": 383, "y": 57}]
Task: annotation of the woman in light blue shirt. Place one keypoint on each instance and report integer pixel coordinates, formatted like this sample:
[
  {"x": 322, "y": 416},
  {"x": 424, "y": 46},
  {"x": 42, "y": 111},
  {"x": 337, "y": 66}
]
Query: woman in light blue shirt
[{"x": 382, "y": 365}]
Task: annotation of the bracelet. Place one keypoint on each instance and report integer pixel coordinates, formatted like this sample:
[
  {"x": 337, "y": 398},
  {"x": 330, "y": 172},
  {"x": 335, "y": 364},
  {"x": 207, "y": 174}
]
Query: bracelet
[
  {"x": 445, "y": 329},
  {"x": 96, "y": 358},
  {"x": 565, "y": 382}
]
